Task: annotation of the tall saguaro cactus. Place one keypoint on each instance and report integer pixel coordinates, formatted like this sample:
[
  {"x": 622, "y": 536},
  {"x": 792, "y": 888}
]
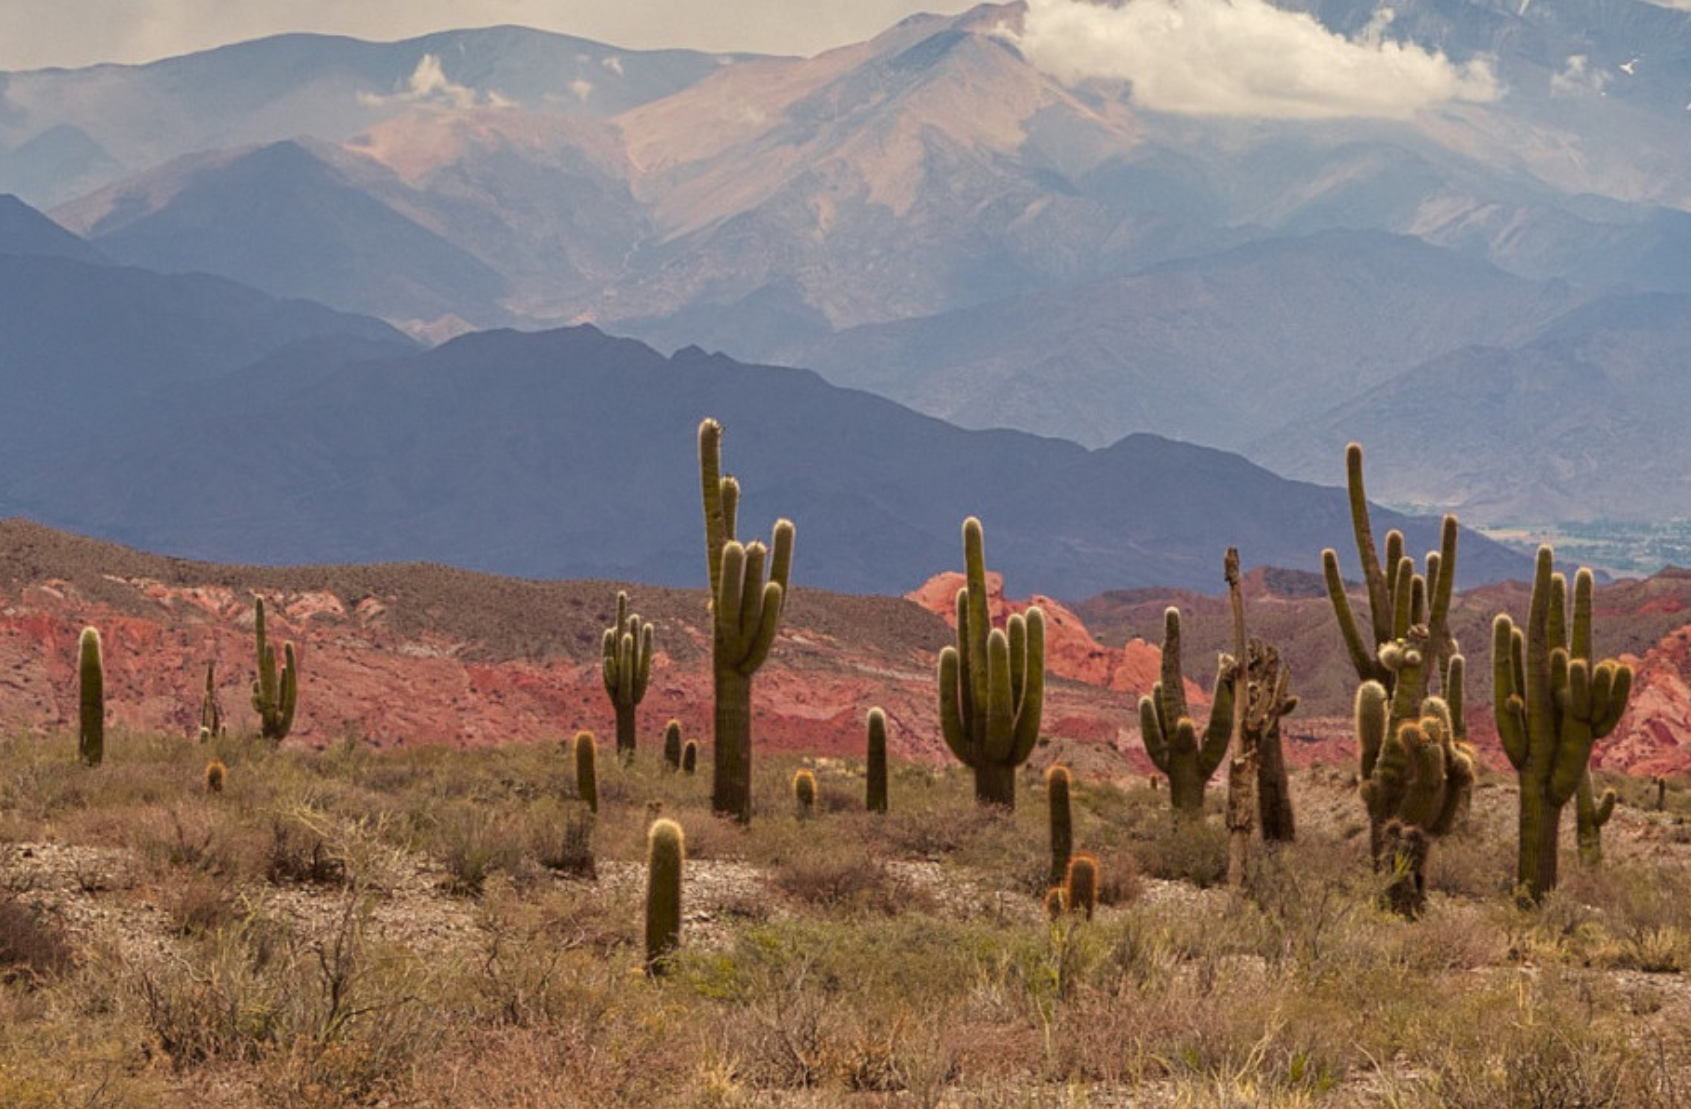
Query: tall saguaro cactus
[
  {"x": 1171, "y": 738},
  {"x": 91, "y": 682},
  {"x": 627, "y": 651},
  {"x": 991, "y": 684},
  {"x": 1552, "y": 704},
  {"x": 273, "y": 694},
  {"x": 746, "y": 613}
]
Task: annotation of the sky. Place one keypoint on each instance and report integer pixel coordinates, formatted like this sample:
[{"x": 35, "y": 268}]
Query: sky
[{"x": 40, "y": 33}]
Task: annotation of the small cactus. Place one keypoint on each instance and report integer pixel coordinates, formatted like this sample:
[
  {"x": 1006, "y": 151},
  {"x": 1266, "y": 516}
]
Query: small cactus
[
  {"x": 1062, "y": 824},
  {"x": 672, "y": 745},
  {"x": 875, "y": 789},
  {"x": 273, "y": 694},
  {"x": 214, "y": 775},
  {"x": 665, "y": 855},
  {"x": 690, "y": 756},
  {"x": 1661, "y": 793},
  {"x": 1056, "y": 902},
  {"x": 1081, "y": 885},
  {"x": 587, "y": 770},
  {"x": 91, "y": 678},
  {"x": 804, "y": 793},
  {"x": 211, "y": 710},
  {"x": 1591, "y": 814},
  {"x": 626, "y": 651}
]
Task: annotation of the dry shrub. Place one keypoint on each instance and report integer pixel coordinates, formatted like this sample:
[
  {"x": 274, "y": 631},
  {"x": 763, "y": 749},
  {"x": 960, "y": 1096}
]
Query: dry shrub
[
  {"x": 1185, "y": 851},
  {"x": 33, "y": 946}
]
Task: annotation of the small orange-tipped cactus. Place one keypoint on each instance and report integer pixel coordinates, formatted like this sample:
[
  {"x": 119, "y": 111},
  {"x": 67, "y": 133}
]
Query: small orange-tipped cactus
[
  {"x": 665, "y": 854},
  {"x": 804, "y": 792},
  {"x": 587, "y": 770},
  {"x": 1082, "y": 885},
  {"x": 215, "y": 772}
]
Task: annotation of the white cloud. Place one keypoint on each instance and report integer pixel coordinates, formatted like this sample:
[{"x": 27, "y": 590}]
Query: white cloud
[
  {"x": 429, "y": 84},
  {"x": 1578, "y": 76},
  {"x": 1244, "y": 58}
]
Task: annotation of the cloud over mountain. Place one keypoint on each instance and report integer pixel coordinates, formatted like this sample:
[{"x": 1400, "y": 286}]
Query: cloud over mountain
[{"x": 1245, "y": 58}]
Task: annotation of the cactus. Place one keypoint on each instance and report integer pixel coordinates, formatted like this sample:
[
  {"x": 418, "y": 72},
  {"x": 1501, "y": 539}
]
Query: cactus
[
  {"x": 1266, "y": 701},
  {"x": 875, "y": 775},
  {"x": 991, "y": 684},
  {"x": 1552, "y": 704},
  {"x": 1591, "y": 813},
  {"x": 666, "y": 852},
  {"x": 1170, "y": 737},
  {"x": 1062, "y": 821},
  {"x": 587, "y": 770},
  {"x": 1080, "y": 885},
  {"x": 672, "y": 745},
  {"x": 273, "y": 695},
  {"x": 804, "y": 793},
  {"x": 689, "y": 756},
  {"x": 214, "y": 775},
  {"x": 211, "y": 709},
  {"x": 91, "y": 682},
  {"x": 1409, "y": 651},
  {"x": 1416, "y": 790},
  {"x": 1056, "y": 902},
  {"x": 746, "y": 612},
  {"x": 1661, "y": 793},
  {"x": 627, "y": 664}
]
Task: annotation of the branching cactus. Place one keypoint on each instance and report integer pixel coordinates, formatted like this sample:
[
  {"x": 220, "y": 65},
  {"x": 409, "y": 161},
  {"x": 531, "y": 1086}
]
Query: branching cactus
[
  {"x": 666, "y": 853},
  {"x": 875, "y": 785},
  {"x": 1171, "y": 738},
  {"x": 1552, "y": 704},
  {"x": 627, "y": 657},
  {"x": 991, "y": 684},
  {"x": 746, "y": 613},
  {"x": 1400, "y": 601},
  {"x": 273, "y": 694},
  {"x": 1062, "y": 821},
  {"x": 91, "y": 685},
  {"x": 1417, "y": 787}
]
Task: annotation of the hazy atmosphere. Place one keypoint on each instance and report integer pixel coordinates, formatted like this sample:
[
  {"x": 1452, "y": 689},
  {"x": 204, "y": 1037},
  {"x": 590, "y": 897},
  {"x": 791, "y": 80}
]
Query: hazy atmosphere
[{"x": 40, "y": 33}]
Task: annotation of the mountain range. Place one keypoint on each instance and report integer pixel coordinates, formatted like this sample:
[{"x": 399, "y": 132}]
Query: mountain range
[{"x": 980, "y": 219}]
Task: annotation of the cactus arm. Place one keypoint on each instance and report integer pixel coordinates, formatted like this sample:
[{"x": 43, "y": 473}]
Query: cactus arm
[
  {"x": 1580, "y": 643},
  {"x": 1361, "y": 658},
  {"x": 1455, "y": 696},
  {"x": 1219, "y": 733},
  {"x": 950, "y": 715},
  {"x": 1403, "y": 596},
  {"x": 1172, "y": 698},
  {"x": 758, "y": 650},
  {"x": 717, "y": 531},
  {"x": 1000, "y": 709},
  {"x": 748, "y": 614},
  {"x": 980, "y": 623},
  {"x": 1379, "y": 603},
  {"x": 1030, "y": 705},
  {"x": 290, "y": 691},
  {"x": 1371, "y": 717},
  {"x": 643, "y": 669},
  {"x": 781, "y": 560},
  {"x": 1441, "y": 586},
  {"x": 608, "y": 660},
  {"x": 1152, "y": 735}
]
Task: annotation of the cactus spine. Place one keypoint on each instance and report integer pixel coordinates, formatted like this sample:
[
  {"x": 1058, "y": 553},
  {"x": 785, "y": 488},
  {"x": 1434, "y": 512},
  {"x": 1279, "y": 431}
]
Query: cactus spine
[
  {"x": 804, "y": 793},
  {"x": 1552, "y": 705},
  {"x": 665, "y": 855},
  {"x": 875, "y": 775},
  {"x": 91, "y": 682},
  {"x": 991, "y": 684},
  {"x": 1062, "y": 821},
  {"x": 1170, "y": 737},
  {"x": 587, "y": 770},
  {"x": 672, "y": 745},
  {"x": 627, "y": 651},
  {"x": 273, "y": 695},
  {"x": 746, "y": 612}
]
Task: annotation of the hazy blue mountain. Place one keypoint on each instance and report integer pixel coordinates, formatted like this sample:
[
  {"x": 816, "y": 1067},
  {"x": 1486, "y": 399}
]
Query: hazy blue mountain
[
  {"x": 570, "y": 454},
  {"x": 1584, "y": 422},
  {"x": 1210, "y": 350},
  {"x": 25, "y": 231},
  {"x": 81, "y": 342}
]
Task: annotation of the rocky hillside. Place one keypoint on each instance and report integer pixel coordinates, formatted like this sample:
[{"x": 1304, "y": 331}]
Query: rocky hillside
[{"x": 406, "y": 654}]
